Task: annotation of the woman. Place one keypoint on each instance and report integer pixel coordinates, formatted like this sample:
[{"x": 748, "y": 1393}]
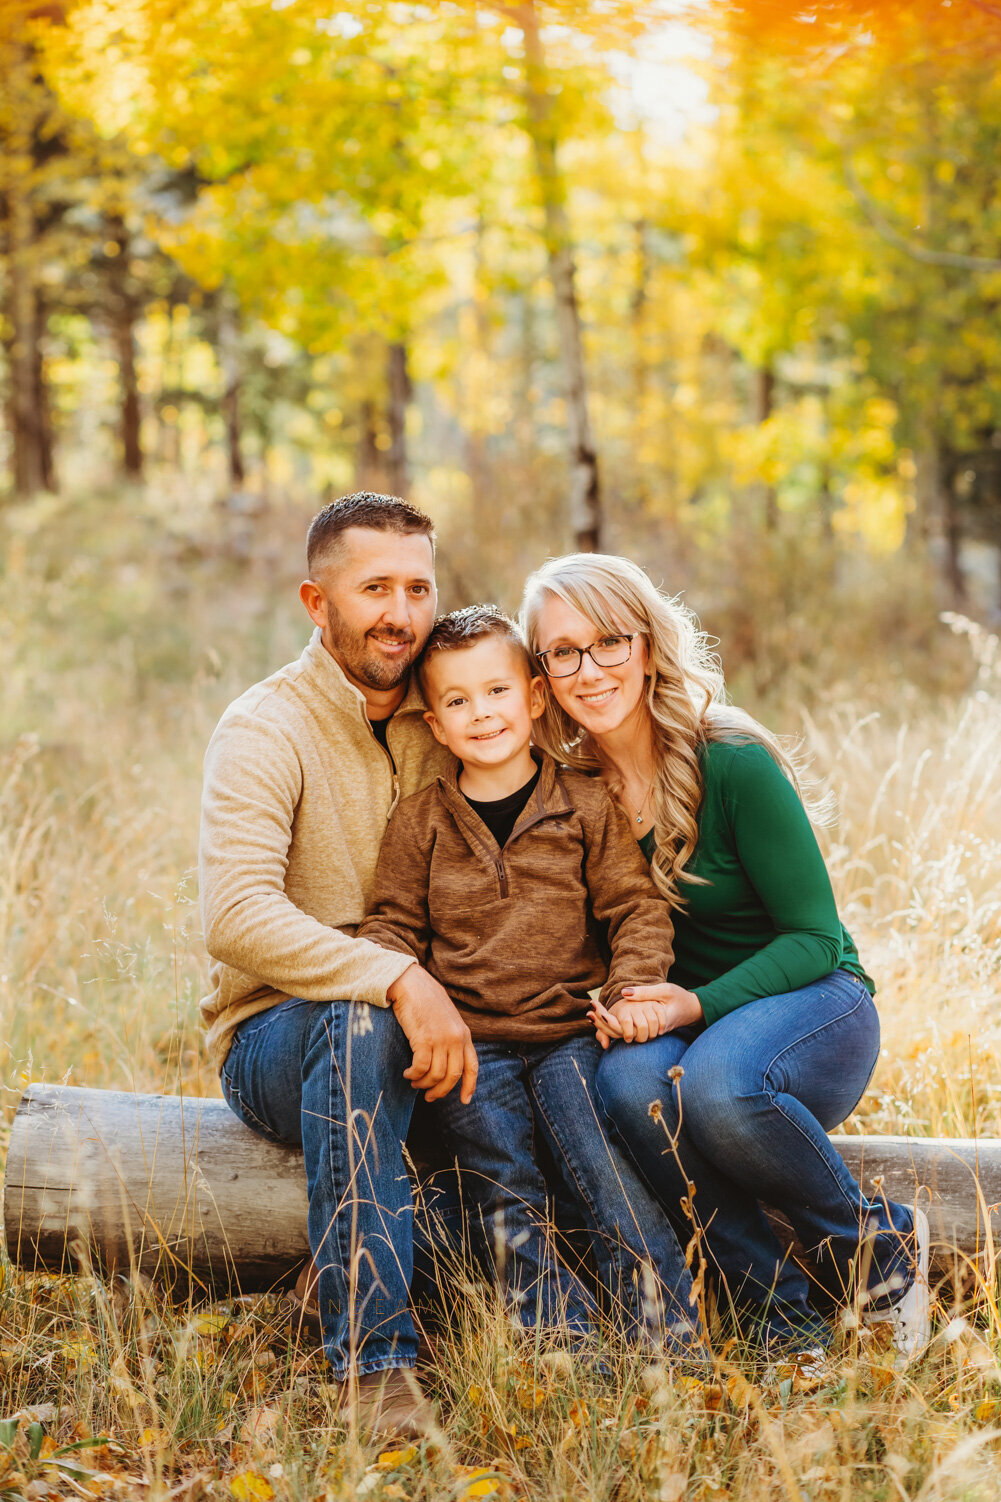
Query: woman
[{"x": 765, "y": 1036}]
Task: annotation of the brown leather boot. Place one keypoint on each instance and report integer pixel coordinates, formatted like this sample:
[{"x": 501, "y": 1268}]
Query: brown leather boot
[
  {"x": 387, "y": 1405},
  {"x": 301, "y": 1306}
]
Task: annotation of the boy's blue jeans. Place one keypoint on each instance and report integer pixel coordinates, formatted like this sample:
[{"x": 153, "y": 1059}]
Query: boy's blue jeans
[
  {"x": 761, "y": 1089},
  {"x": 527, "y": 1092},
  {"x": 328, "y": 1076}
]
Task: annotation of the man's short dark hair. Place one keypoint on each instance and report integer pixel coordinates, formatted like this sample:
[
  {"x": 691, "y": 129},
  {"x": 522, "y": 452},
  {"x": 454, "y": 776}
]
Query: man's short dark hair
[
  {"x": 383, "y": 513},
  {"x": 461, "y": 628}
]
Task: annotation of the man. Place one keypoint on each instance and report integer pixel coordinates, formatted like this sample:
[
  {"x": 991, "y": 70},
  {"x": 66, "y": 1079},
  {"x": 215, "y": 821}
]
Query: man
[{"x": 322, "y": 1038}]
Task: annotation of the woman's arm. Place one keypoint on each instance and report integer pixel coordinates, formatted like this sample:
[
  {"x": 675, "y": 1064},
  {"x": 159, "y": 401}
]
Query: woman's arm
[{"x": 778, "y": 850}]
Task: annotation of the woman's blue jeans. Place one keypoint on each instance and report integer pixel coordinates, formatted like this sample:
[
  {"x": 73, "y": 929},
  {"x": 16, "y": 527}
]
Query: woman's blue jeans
[
  {"x": 328, "y": 1076},
  {"x": 759, "y": 1090},
  {"x": 544, "y": 1093}
]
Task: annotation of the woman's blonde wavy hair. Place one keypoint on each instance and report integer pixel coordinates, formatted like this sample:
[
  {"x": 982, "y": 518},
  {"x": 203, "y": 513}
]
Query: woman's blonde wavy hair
[{"x": 686, "y": 695}]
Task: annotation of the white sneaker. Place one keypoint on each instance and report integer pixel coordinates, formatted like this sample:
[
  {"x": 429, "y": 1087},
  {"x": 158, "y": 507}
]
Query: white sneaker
[{"x": 910, "y": 1317}]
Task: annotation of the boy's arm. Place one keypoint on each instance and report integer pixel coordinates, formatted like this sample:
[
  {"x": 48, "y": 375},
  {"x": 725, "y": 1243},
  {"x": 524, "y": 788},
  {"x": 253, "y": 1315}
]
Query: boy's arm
[
  {"x": 399, "y": 919},
  {"x": 623, "y": 896}
]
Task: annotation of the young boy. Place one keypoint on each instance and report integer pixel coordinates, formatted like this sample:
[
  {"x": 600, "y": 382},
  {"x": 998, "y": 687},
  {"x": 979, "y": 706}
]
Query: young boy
[{"x": 518, "y": 884}]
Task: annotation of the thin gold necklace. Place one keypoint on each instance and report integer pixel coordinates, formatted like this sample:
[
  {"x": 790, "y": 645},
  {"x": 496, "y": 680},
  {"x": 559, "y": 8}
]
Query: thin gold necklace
[{"x": 649, "y": 790}]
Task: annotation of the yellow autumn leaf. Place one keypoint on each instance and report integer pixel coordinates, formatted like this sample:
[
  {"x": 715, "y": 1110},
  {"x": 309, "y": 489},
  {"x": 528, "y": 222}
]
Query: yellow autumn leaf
[
  {"x": 210, "y": 1324},
  {"x": 79, "y": 1352},
  {"x": 480, "y": 1481},
  {"x": 251, "y": 1486},
  {"x": 391, "y": 1459},
  {"x": 529, "y": 1396}
]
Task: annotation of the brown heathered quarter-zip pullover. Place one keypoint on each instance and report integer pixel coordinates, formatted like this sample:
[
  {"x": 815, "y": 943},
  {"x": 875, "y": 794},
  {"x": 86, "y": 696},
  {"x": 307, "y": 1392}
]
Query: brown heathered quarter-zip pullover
[{"x": 519, "y": 935}]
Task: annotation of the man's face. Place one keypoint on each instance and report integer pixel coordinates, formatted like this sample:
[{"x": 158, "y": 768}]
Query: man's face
[{"x": 375, "y": 604}]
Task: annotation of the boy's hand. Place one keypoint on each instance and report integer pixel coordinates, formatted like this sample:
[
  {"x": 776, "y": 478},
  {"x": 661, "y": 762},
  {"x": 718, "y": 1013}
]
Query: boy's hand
[
  {"x": 645, "y": 1012},
  {"x": 441, "y": 1042}
]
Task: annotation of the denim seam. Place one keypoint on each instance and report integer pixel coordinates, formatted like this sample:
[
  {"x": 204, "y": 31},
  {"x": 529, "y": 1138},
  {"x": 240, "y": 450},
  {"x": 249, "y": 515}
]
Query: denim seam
[{"x": 336, "y": 1140}]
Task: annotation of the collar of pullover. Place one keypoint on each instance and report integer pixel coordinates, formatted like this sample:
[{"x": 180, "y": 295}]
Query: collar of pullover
[
  {"x": 329, "y": 678},
  {"x": 548, "y": 798}
]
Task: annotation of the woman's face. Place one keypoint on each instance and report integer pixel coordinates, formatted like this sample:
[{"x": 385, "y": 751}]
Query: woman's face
[{"x": 602, "y": 700}]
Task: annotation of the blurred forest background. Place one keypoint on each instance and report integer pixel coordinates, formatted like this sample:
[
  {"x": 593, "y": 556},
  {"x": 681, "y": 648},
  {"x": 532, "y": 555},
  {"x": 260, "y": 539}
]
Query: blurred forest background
[
  {"x": 716, "y": 285},
  {"x": 710, "y": 284}
]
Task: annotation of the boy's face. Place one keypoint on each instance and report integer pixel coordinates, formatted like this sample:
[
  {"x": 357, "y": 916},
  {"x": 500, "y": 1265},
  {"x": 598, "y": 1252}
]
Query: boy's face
[{"x": 482, "y": 702}]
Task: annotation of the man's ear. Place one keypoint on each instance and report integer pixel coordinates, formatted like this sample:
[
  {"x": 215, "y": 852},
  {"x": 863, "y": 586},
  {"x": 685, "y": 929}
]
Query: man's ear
[
  {"x": 313, "y": 598},
  {"x": 435, "y": 724},
  {"x": 537, "y": 698}
]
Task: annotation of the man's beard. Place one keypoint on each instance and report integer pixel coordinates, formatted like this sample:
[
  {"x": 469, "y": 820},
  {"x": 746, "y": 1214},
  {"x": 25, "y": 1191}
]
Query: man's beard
[{"x": 362, "y": 663}]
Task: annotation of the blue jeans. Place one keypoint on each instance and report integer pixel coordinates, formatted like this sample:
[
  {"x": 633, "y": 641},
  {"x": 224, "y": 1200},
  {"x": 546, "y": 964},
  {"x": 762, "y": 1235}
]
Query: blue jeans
[
  {"x": 525, "y": 1092},
  {"x": 328, "y": 1076},
  {"x": 761, "y": 1087}
]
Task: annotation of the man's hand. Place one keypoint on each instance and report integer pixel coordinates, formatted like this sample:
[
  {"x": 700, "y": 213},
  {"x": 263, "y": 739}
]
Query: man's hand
[
  {"x": 645, "y": 1012},
  {"x": 443, "y": 1048}
]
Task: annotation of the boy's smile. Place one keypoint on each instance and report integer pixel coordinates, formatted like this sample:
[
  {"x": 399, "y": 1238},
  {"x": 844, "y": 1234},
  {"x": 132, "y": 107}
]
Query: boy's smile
[{"x": 483, "y": 702}]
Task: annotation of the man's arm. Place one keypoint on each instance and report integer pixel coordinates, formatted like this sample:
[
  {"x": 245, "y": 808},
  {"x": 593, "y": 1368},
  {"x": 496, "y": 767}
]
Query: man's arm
[{"x": 252, "y": 785}]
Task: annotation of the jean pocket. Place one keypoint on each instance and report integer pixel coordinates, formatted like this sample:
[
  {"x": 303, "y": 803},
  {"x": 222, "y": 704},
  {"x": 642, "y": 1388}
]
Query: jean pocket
[{"x": 239, "y": 1107}]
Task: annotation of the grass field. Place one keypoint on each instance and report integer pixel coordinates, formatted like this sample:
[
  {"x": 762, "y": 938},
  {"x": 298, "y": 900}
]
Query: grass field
[{"x": 122, "y": 639}]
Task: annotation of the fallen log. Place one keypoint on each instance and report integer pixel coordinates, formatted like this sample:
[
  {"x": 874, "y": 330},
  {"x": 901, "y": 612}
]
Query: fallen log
[{"x": 178, "y": 1188}]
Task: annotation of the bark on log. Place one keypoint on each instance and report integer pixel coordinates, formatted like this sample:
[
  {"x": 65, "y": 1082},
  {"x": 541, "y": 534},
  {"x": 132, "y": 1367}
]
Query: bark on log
[
  {"x": 180, "y": 1189},
  {"x": 174, "y": 1186}
]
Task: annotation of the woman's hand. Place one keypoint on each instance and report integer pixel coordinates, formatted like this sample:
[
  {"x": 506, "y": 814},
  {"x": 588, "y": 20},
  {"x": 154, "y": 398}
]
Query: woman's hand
[
  {"x": 678, "y": 1006},
  {"x": 632, "y": 1021}
]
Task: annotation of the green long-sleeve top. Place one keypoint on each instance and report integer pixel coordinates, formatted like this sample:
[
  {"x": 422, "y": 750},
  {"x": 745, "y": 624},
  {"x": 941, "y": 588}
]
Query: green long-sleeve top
[{"x": 767, "y": 922}]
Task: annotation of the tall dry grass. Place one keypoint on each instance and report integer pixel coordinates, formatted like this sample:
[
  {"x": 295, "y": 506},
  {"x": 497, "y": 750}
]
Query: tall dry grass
[{"x": 123, "y": 634}]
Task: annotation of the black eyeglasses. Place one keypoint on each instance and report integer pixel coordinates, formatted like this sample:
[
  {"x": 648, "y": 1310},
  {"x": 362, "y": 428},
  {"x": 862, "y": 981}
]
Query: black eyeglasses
[{"x": 606, "y": 652}]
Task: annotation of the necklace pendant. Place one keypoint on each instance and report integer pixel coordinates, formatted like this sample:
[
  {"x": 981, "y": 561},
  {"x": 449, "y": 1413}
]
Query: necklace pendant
[{"x": 639, "y": 817}]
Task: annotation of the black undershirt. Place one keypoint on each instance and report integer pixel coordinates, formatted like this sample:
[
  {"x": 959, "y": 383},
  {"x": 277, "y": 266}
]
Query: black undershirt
[
  {"x": 501, "y": 814},
  {"x": 380, "y": 729}
]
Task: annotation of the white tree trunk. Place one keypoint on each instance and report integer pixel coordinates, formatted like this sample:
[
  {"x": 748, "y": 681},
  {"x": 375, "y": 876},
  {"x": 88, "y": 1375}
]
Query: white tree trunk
[{"x": 585, "y": 489}]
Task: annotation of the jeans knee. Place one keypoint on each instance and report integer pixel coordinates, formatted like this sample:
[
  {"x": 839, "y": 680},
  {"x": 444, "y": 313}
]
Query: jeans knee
[
  {"x": 718, "y": 1105},
  {"x": 627, "y": 1092},
  {"x": 363, "y": 1043}
]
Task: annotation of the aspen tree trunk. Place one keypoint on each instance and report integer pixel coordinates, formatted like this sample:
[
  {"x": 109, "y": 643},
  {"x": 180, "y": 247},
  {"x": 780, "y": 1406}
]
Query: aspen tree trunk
[
  {"x": 400, "y": 391},
  {"x": 123, "y": 319},
  {"x": 585, "y": 488},
  {"x": 231, "y": 365}
]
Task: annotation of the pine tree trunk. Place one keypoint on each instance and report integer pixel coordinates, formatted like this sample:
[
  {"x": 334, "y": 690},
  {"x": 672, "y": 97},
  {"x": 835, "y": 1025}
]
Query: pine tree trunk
[
  {"x": 26, "y": 418},
  {"x": 952, "y": 535},
  {"x": 367, "y": 476},
  {"x": 123, "y": 322},
  {"x": 231, "y": 365},
  {"x": 399, "y": 392},
  {"x": 762, "y": 405},
  {"x": 585, "y": 488}
]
